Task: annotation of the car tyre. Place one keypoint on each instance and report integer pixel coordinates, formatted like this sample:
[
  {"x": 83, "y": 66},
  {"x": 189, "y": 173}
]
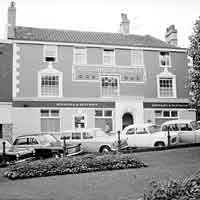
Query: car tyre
[
  {"x": 56, "y": 155},
  {"x": 105, "y": 149},
  {"x": 159, "y": 144}
]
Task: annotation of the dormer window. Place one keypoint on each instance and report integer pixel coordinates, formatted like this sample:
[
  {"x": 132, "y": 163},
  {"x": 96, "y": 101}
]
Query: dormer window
[
  {"x": 165, "y": 60},
  {"x": 50, "y": 53}
]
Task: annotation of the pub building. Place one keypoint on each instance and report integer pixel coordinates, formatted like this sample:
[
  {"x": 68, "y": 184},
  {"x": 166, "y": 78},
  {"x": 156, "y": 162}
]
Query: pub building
[{"x": 65, "y": 79}]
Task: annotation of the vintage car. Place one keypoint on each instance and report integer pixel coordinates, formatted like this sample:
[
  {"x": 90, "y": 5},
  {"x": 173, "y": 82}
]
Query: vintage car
[
  {"x": 44, "y": 145},
  {"x": 94, "y": 140},
  {"x": 11, "y": 154},
  {"x": 147, "y": 135},
  {"x": 188, "y": 131}
]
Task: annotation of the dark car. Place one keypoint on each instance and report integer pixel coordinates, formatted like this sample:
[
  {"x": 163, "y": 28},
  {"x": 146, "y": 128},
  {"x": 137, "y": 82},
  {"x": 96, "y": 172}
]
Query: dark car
[{"x": 42, "y": 145}]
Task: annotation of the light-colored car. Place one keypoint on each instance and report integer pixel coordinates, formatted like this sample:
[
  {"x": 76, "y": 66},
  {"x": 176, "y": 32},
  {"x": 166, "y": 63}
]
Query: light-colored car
[
  {"x": 94, "y": 140},
  {"x": 188, "y": 131},
  {"x": 146, "y": 135}
]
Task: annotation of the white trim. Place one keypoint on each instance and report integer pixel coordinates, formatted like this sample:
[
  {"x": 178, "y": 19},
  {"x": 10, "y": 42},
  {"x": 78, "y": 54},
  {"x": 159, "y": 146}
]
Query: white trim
[
  {"x": 50, "y": 71},
  {"x": 98, "y": 45},
  {"x": 166, "y": 74},
  {"x": 45, "y": 47},
  {"x": 5, "y": 41}
]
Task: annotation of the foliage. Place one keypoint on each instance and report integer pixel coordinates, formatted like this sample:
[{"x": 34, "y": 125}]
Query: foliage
[
  {"x": 72, "y": 165},
  {"x": 194, "y": 71},
  {"x": 189, "y": 189}
]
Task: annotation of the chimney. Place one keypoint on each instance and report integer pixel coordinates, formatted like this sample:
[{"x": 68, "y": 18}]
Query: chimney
[
  {"x": 124, "y": 25},
  {"x": 171, "y": 35},
  {"x": 11, "y": 20}
]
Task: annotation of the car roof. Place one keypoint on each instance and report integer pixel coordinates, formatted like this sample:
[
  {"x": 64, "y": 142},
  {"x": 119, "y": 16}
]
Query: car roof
[
  {"x": 177, "y": 121},
  {"x": 81, "y": 130},
  {"x": 140, "y": 125},
  {"x": 32, "y": 134}
]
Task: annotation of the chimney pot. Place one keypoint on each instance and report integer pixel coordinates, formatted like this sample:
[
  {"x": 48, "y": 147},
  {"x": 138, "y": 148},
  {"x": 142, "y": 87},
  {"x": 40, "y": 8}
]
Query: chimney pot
[
  {"x": 125, "y": 24},
  {"x": 11, "y": 23},
  {"x": 171, "y": 35}
]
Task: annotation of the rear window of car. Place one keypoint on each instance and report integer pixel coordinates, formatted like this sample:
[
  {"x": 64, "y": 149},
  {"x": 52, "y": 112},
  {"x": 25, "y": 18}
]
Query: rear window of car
[{"x": 21, "y": 141}]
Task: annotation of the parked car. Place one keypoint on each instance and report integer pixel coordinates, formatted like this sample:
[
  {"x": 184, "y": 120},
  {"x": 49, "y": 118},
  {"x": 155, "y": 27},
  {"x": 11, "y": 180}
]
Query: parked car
[
  {"x": 94, "y": 140},
  {"x": 188, "y": 131},
  {"x": 13, "y": 153},
  {"x": 146, "y": 135},
  {"x": 43, "y": 145}
]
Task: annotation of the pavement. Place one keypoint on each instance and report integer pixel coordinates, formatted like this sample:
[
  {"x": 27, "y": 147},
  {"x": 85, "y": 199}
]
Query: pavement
[{"x": 107, "y": 185}]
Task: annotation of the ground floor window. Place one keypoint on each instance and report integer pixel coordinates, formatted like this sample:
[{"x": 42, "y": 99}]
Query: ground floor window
[
  {"x": 79, "y": 121},
  {"x": 163, "y": 115},
  {"x": 104, "y": 119},
  {"x": 50, "y": 120}
]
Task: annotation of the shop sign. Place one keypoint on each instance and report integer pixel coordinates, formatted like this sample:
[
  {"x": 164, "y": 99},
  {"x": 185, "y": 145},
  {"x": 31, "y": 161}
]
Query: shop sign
[
  {"x": 166, "y": 105},
  {"x": 66, "y": 104}
]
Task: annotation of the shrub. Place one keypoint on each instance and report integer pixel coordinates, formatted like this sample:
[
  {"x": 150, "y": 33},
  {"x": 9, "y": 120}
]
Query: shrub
[
  {"x": 189, "y": 189},
  {"x": 72, "y": 165}
]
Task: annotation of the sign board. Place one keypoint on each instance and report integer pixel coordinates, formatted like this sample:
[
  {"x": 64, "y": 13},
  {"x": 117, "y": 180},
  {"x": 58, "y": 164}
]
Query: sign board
[{"x": 166, "y": 105}]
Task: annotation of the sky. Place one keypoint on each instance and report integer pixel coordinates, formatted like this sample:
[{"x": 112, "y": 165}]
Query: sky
[{"x": 147, "y": 17}]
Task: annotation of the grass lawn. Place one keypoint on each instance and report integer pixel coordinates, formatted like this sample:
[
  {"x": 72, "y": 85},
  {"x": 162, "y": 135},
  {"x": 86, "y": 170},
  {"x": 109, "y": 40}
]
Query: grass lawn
[{"x": 107, "y": 185}]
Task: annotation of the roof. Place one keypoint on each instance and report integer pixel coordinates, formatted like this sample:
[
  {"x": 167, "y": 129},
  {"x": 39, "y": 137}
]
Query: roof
[
  {"x": 177, "y": 121},
  {"x": 83, "y": 37}
]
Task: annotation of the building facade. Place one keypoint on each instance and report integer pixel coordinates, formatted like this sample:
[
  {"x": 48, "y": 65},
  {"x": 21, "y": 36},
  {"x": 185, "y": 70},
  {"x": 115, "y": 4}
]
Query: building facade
[{"x": 73, "y": 79}]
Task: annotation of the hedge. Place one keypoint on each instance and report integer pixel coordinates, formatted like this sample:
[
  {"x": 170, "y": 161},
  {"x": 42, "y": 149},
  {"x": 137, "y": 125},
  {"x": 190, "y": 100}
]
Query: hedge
[
  {"x": 189, "y": 189},
  {"x": 72, "y": 165}
]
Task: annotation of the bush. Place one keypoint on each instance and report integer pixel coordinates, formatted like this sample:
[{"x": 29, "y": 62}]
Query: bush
[
  {"x": 72, "y": 165},
  {"x": 189, "y": 189}
]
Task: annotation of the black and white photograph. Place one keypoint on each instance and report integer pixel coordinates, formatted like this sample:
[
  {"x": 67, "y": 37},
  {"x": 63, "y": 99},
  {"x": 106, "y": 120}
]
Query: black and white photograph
[{"x": 99, "y": 100}]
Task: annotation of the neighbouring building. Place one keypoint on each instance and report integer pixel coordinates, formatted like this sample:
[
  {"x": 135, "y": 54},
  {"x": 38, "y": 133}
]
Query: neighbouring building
[
  {"x": 65, "y": 79},
  {"x": 5, "y": 90}
]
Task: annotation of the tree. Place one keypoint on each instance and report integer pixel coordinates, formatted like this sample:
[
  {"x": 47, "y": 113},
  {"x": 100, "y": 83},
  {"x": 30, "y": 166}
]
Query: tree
[{"x": 194, "y": 71}]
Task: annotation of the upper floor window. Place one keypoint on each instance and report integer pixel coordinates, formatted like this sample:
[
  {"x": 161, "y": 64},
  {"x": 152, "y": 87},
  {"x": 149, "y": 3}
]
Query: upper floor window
[
  {"x": 49, "y": 83},
  {"x": 137, "y": 57},
  {"x": 109, "y": 86},
  {"x": 108, "y": 57},
  {"x": 80, "y": 56},
  {"x": 165, "y": 60},
  {"x": 50, "y": 53}
]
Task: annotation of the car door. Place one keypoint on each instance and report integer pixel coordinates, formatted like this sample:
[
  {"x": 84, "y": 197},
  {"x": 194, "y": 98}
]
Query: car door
[
  {"x": 33, "y": 142},
  {"x": 76, "y": 138},
  {"x": 186, "y": 133},
  {"x": 21, "y": 143},
  {"x": 89, "y": 142},
  {"x": 131, "y": 137},
  {"x": 142, "y": 137}
]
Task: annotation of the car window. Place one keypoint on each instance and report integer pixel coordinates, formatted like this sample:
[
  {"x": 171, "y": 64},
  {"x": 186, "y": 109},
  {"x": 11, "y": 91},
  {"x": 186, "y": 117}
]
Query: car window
[
  {"x": 87, "y": 135},
  {"x": 130, "y": 131},
  {"x": 185, "y": 127},
  {"x": 21, "y": 141},
  {"x": 46, "y": 139},
  {"x": 141, "y": 130},
  {"x": 32, "y": 141},
  {"x": 76, "y": 136},
  {"x": 154, "y": 128}
]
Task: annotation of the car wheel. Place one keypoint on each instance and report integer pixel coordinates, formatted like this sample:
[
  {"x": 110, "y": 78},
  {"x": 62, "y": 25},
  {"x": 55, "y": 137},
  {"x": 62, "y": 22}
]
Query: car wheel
[
  {"x": 105, "y": 149},
  {"x": 159, "y": 144},
  {"x": 55, "y": 155}
]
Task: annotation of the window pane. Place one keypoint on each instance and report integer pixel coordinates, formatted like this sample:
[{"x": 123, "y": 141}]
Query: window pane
[
  {"x": 108, "y": 113},
  {"x": 137, "y": 57},
  {"x": 164, "y": 58},
  {"x": 158, "y": 113},
  {"x": 98, "y": 113},
  {"x": 54, "y": 113},
  {"x": 50, "y": 53},
  {"x": 44, "y": 113},
  {"x": 108, "y": 56},
  {"x": 76, "y": 135},
  {"x": 50, "y": 125},
  {"x": 166, "y": 88},
  {"x": 166, "y": 113},
  {"x": 80, "y": 56},
  {"x": 174, "y": 113},
  {"x": 79, "y": 122}
]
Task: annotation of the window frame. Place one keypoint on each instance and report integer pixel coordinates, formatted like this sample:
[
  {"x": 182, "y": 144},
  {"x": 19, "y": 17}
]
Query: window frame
[
  {"x": 45, "y": 48},
  {"x": 139, "y": 52},
  {"x": 160, "y": 59},
  {"x": 50, "y": 116},
  {"x": 84, "y": 54},
  {"x": 79, "y": 115},
  {"x": 112, "y": 56},
  {"x": 50, "y": 72},
  {"x": 170, "y": 114}
]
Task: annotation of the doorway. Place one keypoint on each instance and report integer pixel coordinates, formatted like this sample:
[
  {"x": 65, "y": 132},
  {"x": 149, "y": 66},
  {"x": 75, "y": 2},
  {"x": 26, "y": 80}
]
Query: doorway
[{"x": 127, "y": 119}]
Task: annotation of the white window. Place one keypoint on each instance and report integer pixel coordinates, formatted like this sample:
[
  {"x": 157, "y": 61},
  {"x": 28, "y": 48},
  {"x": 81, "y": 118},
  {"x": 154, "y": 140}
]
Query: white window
[
  {"x": 50, "y": 120},
  {"x": 50, "y": 83},
  {"x": 79, "y": 121},
  {"x": 166, "y": 87},
  {"x": 166, "y": 114},
  {"x": 80, "y": 56},
  {"x": 108, "y": 57},
  {"x": 50, "y": 53},
  {"x": 137, "y": 57},
  {"x": 165, "y": 60},
  {"x": 109, "y": 86}
]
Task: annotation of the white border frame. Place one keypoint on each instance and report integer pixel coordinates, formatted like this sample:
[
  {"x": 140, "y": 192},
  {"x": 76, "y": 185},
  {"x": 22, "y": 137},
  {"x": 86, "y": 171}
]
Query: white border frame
[{"x": 103, "y": 60}]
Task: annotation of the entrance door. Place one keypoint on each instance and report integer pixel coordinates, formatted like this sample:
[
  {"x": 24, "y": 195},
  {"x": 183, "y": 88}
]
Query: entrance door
[{"x": 127, "y": 119}]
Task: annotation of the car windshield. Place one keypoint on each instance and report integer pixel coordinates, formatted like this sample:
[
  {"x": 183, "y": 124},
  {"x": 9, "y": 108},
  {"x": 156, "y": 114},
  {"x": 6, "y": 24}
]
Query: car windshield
[
  {"x": 195, "y": 125},
  {"x": 46, "y": 139},
  {"x": 154, "y": 128}
]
